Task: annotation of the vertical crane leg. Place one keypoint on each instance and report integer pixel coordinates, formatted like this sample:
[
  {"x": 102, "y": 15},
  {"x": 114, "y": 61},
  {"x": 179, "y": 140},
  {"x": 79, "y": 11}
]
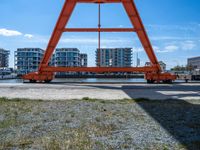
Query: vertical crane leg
[
  {"x": 140, "y": 30},
  {"x": 136, "y": 21},
  {"x": 63, "y": 19}
]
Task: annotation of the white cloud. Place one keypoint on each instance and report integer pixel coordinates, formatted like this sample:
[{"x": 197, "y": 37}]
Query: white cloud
[
  {"x": 177, "y": 45},
  {"x": 188, "y": 45},
  {"x": 6, "y": 32},
  {"x": 167, "y": 49},
  {"x": 188, "y": 27},
  {"x": 84, "y": 40},
  {"x": 157, "y": 38},
  {"x": 171, "y": 48},
  {"x": 156, "y": 48},
  {"x": 10, "y": 33},
  {"x": 29, "y": 36},
  {"x": 137, "y": 49},
  {"x": 79, "y": 40}
]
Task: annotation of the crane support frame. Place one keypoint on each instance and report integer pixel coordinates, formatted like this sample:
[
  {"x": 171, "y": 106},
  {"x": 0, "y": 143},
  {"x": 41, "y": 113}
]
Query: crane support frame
[{"x": 153, "y": 72}]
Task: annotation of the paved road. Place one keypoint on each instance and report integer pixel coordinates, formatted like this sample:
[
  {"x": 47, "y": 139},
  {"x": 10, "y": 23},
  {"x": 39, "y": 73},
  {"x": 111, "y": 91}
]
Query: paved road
[{"x": 64, "y": 91}]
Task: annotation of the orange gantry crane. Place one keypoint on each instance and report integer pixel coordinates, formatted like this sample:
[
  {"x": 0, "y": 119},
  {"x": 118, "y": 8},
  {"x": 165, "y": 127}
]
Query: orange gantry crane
[{"x": 153, "y": 73}]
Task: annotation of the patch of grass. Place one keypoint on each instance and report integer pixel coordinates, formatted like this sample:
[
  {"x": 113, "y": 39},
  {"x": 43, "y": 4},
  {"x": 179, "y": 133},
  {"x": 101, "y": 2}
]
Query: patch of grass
[
  {"x": 195, "y": 144},
  {"x": 81, "y": 140},
  {"x": 7, "y": 123},
  {"x": 103, "y": 101},
  {"x": 127, "y": 142},
  {"x": 22, "y": 144},
  {"x": 52, "y": 145},
  {"x": 123, "y": 101},
  {"x": 160, "y": 146},
  {"x": 100, "y": 129},
  {"x": 142, "y": 100},
  {"x": 165, "y": 147},
  {"x": 85, "y": 98},
  {"x": 3, "y": 99},
  {"x": 99, "y": 145},
  {"x": 77, "y": 138},
  {"x": 98, "y": 119},
  {"x": 6, "y": 145},
  {"x": 89, "y": 99}
]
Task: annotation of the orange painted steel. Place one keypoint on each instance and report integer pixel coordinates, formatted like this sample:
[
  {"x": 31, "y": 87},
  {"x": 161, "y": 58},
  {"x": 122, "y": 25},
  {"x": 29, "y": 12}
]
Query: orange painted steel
[
  {"x": 99, "y": 69},
  {"x": 99, "y": 30},
  {"x": 45, "y": 72},
  {"x": 63, "y": 19},
  {"x": 39, "y": 76},
  {"x": 137, "y": 23},
  {"x": 98, "y": 1}
]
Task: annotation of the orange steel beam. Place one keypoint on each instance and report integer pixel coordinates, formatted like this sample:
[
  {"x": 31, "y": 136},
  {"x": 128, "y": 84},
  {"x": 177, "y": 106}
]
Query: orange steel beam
[
  {"x": 98, "y": 1},
  {"x": 136, "y": 21},
  {"x": 99, "y": 69},
  {"x": 63, "y": 19},
  {"x": 99, "y": 30}
]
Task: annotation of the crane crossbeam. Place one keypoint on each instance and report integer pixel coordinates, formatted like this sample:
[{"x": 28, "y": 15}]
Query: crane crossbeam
[
  {"x": 99, "y": 30},
  {"x": 98, "y": 69}
]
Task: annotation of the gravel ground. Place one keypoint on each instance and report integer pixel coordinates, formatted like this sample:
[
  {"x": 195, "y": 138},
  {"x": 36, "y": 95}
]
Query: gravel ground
[{"x": 99, "y": 124}]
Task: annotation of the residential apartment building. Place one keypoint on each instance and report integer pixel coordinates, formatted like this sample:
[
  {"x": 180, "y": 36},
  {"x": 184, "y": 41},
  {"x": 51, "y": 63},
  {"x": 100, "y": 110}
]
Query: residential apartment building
[
  {"x": 67, "y": 57},
  {"x": 162, "y": 65},
  {"x": 194, "y": 66},
  {"x": 83, "y": 60},
  {"x": 28, "y": 59},
  {"x": 194, "y": 63},
  {"x": 4, "y": 58},
  {"x": 114, "y": 57}
]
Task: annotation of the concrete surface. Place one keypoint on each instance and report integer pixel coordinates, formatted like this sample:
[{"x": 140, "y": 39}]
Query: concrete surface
[{"x": 64, "y": 91}]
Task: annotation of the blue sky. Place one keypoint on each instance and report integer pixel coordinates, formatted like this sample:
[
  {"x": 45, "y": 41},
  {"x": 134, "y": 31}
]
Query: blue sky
[{"x": 173, "y": 27}]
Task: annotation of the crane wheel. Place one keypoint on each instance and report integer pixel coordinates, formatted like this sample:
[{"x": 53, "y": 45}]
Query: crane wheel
[
  {"x": 150, "y": 81},
  {"x": 169, "y": 81},
  {"x": 32, "y": 81},
  {"x": 47, "y": 81}
]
